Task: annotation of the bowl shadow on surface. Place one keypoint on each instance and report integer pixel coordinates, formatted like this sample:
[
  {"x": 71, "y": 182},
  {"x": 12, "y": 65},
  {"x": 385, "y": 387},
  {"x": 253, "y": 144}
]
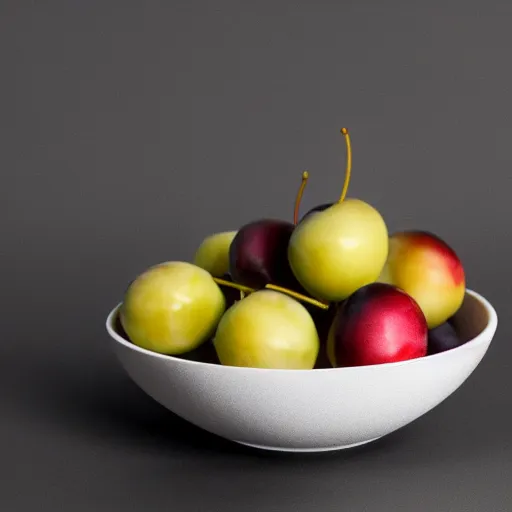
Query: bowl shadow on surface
[
  {"x": 90, "y": 395},
  {"x": 96, "y": 400}
]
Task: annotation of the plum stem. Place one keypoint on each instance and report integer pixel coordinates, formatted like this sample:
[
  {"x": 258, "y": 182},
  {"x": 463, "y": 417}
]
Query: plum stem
[
  {"x": 297, "y": 296},
  {"x": 236, "y": 286},
  {"x": 348, "y": 170},
  {"x": 305, "y": 176},
  {"x": 245, "y": 289}
]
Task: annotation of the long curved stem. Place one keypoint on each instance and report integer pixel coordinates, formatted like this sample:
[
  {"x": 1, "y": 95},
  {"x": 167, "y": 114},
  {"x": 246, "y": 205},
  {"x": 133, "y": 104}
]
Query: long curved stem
[
  {"x": 348, "y": 170},
  {"x": 305, "y": 176},
  {"x": 246, "y": 290}
]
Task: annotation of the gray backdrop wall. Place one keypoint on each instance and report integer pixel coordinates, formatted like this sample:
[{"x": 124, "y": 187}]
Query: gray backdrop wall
[{"x": 130, "y": 130}]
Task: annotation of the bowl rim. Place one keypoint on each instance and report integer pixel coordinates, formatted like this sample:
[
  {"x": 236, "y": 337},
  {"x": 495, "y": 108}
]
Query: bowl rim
[{"x": 491, "y": 327}]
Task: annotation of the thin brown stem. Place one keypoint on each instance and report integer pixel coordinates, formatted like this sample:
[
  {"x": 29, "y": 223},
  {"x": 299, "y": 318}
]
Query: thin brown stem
[
  {"x": 236, "y": 286},
  {"x": 348, "y": 170},
  {"x": 305, "y": 176},
  {"x": 298, "y": 296}
]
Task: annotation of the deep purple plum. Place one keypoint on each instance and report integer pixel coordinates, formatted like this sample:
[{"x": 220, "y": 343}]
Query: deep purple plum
[
  {"x": 319, "y": 208},
  {"x": 443, "y": 337},
  {"x": 230, "y": 294},
  {"x": 258, "y": 255},
  {"x": 323, "y": 319}
]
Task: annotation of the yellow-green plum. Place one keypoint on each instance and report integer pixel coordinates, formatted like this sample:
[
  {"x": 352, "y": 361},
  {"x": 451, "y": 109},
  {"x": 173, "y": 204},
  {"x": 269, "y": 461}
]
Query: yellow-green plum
[
  {"x": 429, "y": 270},
  {"x": 334, "y": 252},
  {"x": 213, "y": 253},
  {"x": 267, "y": 329},
  {"x": 336, "y": 249},
  {"x": 172, "y": 308}
]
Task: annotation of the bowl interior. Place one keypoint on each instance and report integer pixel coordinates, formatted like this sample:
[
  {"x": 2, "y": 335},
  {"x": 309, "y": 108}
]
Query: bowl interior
[{"x": 474, "y": 316}]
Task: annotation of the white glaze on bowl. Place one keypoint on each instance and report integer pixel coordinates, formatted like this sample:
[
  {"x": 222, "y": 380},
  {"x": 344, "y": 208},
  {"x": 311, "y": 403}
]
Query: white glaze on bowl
[{"x": 309, "y": 410}]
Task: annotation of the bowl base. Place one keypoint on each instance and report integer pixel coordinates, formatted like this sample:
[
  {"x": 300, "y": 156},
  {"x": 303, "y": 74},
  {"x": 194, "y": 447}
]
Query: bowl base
[{"x": 308, "y": 450}]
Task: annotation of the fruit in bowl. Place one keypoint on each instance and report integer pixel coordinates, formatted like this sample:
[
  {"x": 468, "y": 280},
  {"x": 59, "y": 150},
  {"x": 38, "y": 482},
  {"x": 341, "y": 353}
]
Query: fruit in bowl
[
  {"x": 279, "y": 329},
  {"x": 267, "y": 329},
  {"x": 213, "y": 253},
  {"x": 443, "y": 337},
  {"x": 301, "y": 410},
  {"x": 315, "y": 209},
  {"x": 335, "y": 251},
  {"x": 377, "y": 324},
  {"x": 258, "y": 254},
  {"x": 323, "y": 319},
  {"x": 428, "y": 269},
  {"x": 172, "y": 308},
  {"x": 231, "y": 292}
]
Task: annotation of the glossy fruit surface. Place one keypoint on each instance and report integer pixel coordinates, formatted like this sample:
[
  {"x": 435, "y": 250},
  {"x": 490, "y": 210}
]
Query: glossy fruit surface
[
  {"x": 377, "y": 324},
  {"x": 429, "y": 270},
  {"x": 336, "y": 251},
  {"x": 443, "y": 337},
  {"x": 172, "y": 308},
  {"x": 267, "y": 329},
  {"x": 258, "y": 254},
  {"x": 213, "y": 253}
]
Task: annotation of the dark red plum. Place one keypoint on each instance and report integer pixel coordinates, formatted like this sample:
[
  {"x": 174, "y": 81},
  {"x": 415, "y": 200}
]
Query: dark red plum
[
  {"x": 442, "y": 338},
  {"x": 230, "y": 294},
  {"x": 258, "y": 255},
  {"x": 323, "y": 319},
  {"x": 319, "y": 208},
  {"x": 379, "y": 323}
]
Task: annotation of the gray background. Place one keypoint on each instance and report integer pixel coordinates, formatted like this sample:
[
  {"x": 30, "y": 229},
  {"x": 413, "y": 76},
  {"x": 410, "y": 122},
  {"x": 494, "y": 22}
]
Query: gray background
[{"x": 130, "y": 130}]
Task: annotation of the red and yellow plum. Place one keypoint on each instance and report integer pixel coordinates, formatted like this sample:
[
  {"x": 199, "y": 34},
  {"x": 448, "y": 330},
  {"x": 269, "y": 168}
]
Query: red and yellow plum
[{"x": 429, "y": 270}]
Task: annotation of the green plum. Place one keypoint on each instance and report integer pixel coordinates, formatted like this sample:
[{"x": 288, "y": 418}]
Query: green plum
[
  {"x": 213, "y": 253},
  {"x": 267, "y": 329},
  {"x": 172, "y": 308},
  {"x": 335, "y": 251}
]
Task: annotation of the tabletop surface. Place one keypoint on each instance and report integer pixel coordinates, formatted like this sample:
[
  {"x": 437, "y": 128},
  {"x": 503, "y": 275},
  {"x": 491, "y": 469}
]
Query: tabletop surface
[{"x": 131, "y": 130}]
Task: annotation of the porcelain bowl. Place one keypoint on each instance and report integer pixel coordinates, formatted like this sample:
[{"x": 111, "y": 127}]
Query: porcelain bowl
[{"x": 309, "y": 410}]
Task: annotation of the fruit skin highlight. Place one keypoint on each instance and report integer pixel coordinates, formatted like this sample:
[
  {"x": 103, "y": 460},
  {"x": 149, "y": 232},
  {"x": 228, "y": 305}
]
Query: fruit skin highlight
[
  {"x": 267, "y": 329},
  {"x": 377, "y": 324},
  {"x": 334, "y": 252},
  {"x": 428, "y": 269},
  {"x": 213, "y": 253},
  {"x": 172, "y": 308},
  {"x": 258, "y": 254}
]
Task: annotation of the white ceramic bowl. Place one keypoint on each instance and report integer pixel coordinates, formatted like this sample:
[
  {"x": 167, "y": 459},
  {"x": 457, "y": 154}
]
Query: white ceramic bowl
[{"x": 309, "y": 410}]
